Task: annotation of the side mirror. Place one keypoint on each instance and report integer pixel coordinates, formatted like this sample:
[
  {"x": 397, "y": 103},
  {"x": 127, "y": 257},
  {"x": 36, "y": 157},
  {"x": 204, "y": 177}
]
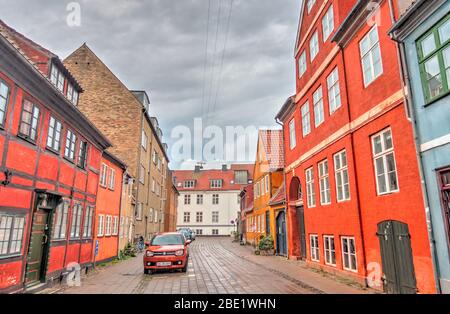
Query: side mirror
[{"x": 188, "y": 242}]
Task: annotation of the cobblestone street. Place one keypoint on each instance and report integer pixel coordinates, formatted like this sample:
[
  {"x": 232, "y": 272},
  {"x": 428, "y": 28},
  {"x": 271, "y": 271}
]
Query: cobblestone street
[{"x": 216, "y": 266}]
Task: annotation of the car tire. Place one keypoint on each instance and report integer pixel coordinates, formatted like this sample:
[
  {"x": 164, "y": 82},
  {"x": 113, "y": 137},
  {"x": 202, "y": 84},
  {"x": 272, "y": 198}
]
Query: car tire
[
  {"x": 184, "y": 270},
  {"x": 147, "y": 272}
]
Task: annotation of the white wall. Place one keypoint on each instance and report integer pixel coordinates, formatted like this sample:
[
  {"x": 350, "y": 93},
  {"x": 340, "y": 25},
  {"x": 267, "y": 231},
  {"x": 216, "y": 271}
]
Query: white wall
[{"x": 228, "y": 209}]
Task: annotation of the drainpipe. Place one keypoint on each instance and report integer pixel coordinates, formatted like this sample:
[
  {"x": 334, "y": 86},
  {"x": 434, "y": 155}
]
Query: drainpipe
[
  {"x": 138, "y": 169},
  {"x": 406, "y": 83},
  {"x": 358, "y": 200},
  {"x": 285, "y": 191}
]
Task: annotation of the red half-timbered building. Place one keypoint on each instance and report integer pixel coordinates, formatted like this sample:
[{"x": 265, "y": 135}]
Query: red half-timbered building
[
  {"x": 353, "y": 185},
  {"x": 50, "y": 157}
]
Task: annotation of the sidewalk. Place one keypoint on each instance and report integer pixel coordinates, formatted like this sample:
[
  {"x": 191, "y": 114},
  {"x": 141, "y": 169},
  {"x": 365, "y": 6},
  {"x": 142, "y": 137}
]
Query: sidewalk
[{"x": 296, "y": 271}]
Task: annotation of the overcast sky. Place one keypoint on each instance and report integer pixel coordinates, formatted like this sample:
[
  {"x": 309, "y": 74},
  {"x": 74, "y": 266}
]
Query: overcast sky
[{"x": 160, "y": 46}]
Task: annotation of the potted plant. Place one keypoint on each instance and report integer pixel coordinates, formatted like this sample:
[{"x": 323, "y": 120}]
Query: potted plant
[{"x": 266, "y": 246}]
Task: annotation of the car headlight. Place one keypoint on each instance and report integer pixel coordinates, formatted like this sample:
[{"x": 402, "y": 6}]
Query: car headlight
[
  {"x": 150, "y": 254},
  {"x": 179, "y": 253}
]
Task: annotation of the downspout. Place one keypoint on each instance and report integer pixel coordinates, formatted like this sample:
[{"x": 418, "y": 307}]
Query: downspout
[
  {"x": 358, "y": 200},
  {"x": 285, "y": 189},
  {"x": 406, "y": 83},
  {"x": 138, "y": 169}
]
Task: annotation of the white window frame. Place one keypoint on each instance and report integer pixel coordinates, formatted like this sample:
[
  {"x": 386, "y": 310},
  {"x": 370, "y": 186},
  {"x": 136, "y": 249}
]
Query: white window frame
[
  {"x": 314, "y": 46},
  {"x": 215, "y": 217},
  {"x": 186, "y": 217},
  {"x": 199, "y": 217},
  {"x": 328, "y": 23},
  {"x": 103, "y": 175},
  {"x": 385, "y": 152},
  {"x": 215, "y": 199},
  {"x": 340, "y": 182},
  {"x": 319, "y": 111},
  {"x": 334, "y": 91},
  {"x": 302, "y": 64},
  {"x": 200, "y": 199},
  {"x": 108, "y": 228},
  {"x": 348, "y": 240},
  {"x": 314, "y": 247},
  {"x": 370, "y": 54},
  {"x": 115, "y": 228},
  {"x": 101, "y": 226},
  {"x": 87, "y": 226},
  {"x": 306, "y": 120},
  {"x": 292, "y": 135},
  {"x": 327, "y": 241},
  {"x": 112, "y": 179},
  {"x": 144, "y": 140},
  {"x": 187, "y": 199},
  {"x": 324, "y": 180},
  {"x": 267, "y": 184},
  {"x": 310, "y": 188},
  {"x": 189, "y": 184},
  {"x": 142, "y": 175},
  {"x": 12, "y": 240},
  {"x": 139, "y": 211},
  {"x": 310, "y": 5},
  {"x": 216, "y": 183}
]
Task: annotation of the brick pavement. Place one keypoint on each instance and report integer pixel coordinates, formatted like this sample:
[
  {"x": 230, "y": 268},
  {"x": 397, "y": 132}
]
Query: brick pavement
[{"x": 216, "y": 266}]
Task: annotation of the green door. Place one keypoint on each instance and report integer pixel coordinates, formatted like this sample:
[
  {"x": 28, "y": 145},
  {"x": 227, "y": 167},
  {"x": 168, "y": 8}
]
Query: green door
[{"x": 38, "y": 249}]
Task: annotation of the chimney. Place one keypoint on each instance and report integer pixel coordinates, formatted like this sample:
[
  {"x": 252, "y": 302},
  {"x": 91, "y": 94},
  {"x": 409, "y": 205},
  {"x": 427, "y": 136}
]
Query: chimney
[
  {"x": 197, "y": 169},
  {"x": 224, "y": 168}
]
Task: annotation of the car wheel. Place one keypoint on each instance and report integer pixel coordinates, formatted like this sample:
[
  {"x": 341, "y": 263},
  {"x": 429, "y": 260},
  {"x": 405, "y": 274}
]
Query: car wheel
[
  {"x": 184, "y": 270},
  {"x": 147, "y": 271}
]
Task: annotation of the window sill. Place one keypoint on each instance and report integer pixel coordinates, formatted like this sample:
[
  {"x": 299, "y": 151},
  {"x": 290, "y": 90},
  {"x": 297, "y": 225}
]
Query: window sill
[
  {"x": 26, "y": 139},
  {"x": 10, "y": 256},
  {"x": 388, "y": 193},
  {"x": 69, "y": 160},
  {"x": 436, "y": 99},
  {"x": 51, "y": 150}
]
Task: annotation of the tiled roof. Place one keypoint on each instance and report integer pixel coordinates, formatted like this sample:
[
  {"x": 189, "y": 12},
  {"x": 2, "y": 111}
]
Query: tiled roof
[
  {"x": 202, "y": 178},
  {"x": 279, "y": 197},
  {"x": 272, "y": 141}
]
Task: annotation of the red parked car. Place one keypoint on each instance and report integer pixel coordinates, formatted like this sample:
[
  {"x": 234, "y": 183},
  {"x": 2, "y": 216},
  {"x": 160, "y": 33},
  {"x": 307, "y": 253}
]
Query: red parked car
[{"x": 167, "y": 251}]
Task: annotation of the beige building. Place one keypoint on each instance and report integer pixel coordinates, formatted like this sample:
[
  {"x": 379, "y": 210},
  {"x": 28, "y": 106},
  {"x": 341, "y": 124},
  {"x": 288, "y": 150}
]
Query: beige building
[{"x": 123, "y": 116}]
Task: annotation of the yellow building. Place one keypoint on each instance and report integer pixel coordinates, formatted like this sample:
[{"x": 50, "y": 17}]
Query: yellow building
[{"x": 267, "y": 180}]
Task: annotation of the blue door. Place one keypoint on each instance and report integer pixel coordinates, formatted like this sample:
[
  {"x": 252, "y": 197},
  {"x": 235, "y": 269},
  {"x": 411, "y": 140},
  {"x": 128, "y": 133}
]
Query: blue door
[{"x": 281, "y": 234}]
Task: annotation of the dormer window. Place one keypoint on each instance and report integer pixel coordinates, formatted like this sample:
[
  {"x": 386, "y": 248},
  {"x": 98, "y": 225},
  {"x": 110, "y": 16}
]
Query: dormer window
[
  {"x": 57, "y": 78},
  {"x": 189, "y": 184},
  {"x": 72, "y": 94},
  {"x": 216, "y": 184}
]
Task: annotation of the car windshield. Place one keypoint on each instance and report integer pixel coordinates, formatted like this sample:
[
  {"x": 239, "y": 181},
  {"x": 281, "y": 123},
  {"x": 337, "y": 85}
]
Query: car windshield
[{"x": 170, "y": 239}]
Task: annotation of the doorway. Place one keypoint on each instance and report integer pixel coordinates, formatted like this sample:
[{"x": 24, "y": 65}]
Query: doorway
[
  {"x": 301, "y": 231},
  {"x": 397, "y": 258},
  {"x": 281, "y": 234}
]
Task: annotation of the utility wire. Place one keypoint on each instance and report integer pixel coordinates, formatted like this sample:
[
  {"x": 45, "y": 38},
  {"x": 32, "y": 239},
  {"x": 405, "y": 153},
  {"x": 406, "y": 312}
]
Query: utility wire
[{"x": 205, "y": 66}]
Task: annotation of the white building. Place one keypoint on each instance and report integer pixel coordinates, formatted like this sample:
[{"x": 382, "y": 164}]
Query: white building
[{"x": 209, "y": 200}]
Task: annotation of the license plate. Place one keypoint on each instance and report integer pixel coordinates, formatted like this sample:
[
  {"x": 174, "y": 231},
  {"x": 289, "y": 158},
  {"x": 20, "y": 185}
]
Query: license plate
[{"x": 163, "y": 264}]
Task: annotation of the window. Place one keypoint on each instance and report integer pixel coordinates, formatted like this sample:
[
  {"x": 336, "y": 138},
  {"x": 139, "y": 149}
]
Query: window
[
  {"x": 153, "y": 185},
  {"x": 314, "y": 46},
  {"x": 82, "y": 154},
  {"x": 101, "y": 226},
  {"x": 319, "y": 115},
  {"x": 103, "y": 175},
  {"x": 112, "y": 179},
  {"x": 324, "y": 179},
  {"x": 328, "y": 23},
  {"x": 349, "y": 254},
  {"x": 334, "y": 91},
  {"x": 267, "y": 184},
  {"x": 215, "y": 232},
  {"x": 241, "y": 177},
  {"x": 108, "y": 229},
  {"x": 87, "y": 229},
  {"x": 60, "y": 221},
  {"x": 72, "y": 94},
  {"x": 189, "y": 184},
  {"x": 199, "y": 217},
  {"x": 115, "y": 228},
  {"x": 371, "y": 56},
  {"x": 71, "y": 140},
  {"x": 342, "y": 179},
  {"x": 302, "y": 65},
  {"x": 187, "y": 217},
  {"x": 144, "y": 140},
  {"x": 57, "y": 78},
  {"x": 4, "y": 96},
  {"x": 156, "y": 216},
  {"x": 54, "y": 134},
  {"x": 306, "y": 120},
  {"x": 200, "y": 199},
  {"x": 122, "y": 225},
  {"x": 330, "y": 250},
  {"x": 199, "y": 232},
  {"x": 216, "y": 184},
  {"x": 215, "y": 217},
  {"x": 292, "y": 136},
  {"x": 384, "y": 160},
  {"x": 187, "y": 200},
  {"x": 215, "y": 198},
  {"x": 142, "y": 175},
  {"x": 139, "y": 211},
  {"x": 310, "y": 4},
  {"x": 434, "y": 60},
  {"x": 263, "y": 190},
  {"x": 29, "y": 121},
  {"x": 314, "y": 244},
  {"x": 77, "y": 212},
  {"x": 11, "y": 234},
  {"x": 155, "y": 157},
  {"x": 310, "y": 190},
  {"x": 150, "y": 214}
]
